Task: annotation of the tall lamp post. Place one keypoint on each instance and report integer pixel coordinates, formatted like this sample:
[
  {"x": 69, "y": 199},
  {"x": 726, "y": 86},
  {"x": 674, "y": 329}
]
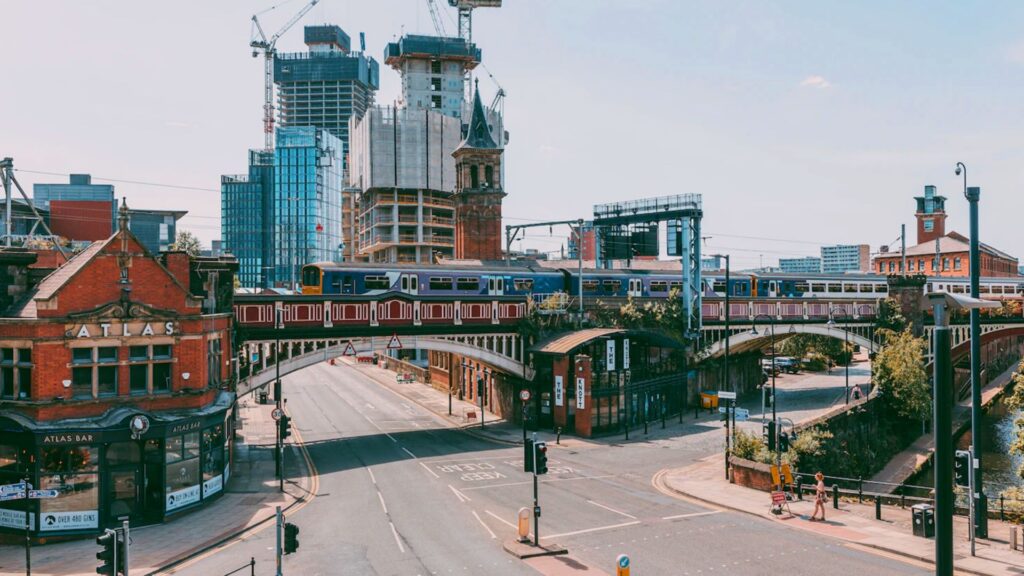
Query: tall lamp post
[
  {"x": 846, "y": 338},
  {"x": 973, "y": 195},
  {"x": 728, "y": 382},
  {"x": 753, "y": 330}
]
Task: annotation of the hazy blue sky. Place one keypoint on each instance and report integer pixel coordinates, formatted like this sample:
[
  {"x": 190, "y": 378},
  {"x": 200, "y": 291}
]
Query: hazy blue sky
[{"x": 809, "y": 122}]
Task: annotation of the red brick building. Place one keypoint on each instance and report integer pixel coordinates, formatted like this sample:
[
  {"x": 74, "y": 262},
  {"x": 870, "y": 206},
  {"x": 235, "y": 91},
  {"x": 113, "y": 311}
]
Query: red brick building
[
  {"x": 478, "y": 191},
  {"x": 953, "y": 259},
  {"x": 114, "y": 385}
]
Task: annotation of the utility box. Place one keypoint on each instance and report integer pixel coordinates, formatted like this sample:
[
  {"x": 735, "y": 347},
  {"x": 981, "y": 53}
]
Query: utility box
[
  {"x": 923, "y": 516},
  {"x": 263, "y": 396}
]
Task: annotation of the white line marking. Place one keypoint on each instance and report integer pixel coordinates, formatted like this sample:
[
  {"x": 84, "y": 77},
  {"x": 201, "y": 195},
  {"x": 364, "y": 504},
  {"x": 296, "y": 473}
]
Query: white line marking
[
  {"x": 502, "y": 520},
  {"x": 486, "y": 527},
  {"x": 599, "y": 528},
  {"x": 388, "y": 435},
  {"x": 407, "y": 452},
  {"x": 370, "y": 406},
  {"x": 542, "y": 482},
  {"x": 427, "y": 468},
  {"x": 372, "y": 477},
  {"x": 397, "y": 539},
  {"x": 690, "y": 515},
  {"x": 462, "y": 497},
  {"x": 382, "y": 504},
  {"x": 610, "y": 509}
]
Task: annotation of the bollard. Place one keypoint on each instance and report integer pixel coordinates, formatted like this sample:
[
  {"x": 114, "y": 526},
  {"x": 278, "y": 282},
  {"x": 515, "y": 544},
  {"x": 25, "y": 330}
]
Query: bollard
[
  {"x": 878, "y": 507},
  {"x": 903, "y": 497},
  {"x": 252, "y": 566},
  {"x": 622, "y": 565},
  {"x": 800, "y": 487},
  {"x": 558, "y": 435},
  {"x": 524, "y": 524},
  {"x": 1013, "y": 538},
  {"x": 860, "y": 490},
  {"x": 835, "y": 496},
  {"x": 1002, "y": 514}
]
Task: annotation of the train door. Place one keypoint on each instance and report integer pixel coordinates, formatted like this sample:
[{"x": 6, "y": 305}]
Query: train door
[
  {"x": 410, "y": 284},
  {"x": 495, "y": 285},
  {"x": 347, "y": 286},
  {"x": 773, "y": 288},
  {"x": 636, "y": 287}
]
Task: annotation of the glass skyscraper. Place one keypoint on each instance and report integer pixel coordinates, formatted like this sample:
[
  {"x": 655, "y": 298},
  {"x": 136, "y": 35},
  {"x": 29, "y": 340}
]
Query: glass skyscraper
[{"x": 287, "y": 211}]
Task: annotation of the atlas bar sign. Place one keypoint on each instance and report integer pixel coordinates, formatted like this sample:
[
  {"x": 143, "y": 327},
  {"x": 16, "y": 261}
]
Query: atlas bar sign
[{"x": 122, "y": 330}]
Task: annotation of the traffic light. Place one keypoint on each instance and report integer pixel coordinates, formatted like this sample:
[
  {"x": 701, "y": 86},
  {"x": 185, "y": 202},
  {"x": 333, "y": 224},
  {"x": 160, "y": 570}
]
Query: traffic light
[
  {"x": 962, "y": 468},
  {"x": 291, "y": 538},
  {"x": 286, "y": 426},
  {"x": 540, "y": 464},
  {"x": 783, "y": 442},
  {"x": 528, "y": 455},
  {"x": 122, "y": 552},
  {"x": 108, "y": 555},
  {"x": 769, "y": 440}
]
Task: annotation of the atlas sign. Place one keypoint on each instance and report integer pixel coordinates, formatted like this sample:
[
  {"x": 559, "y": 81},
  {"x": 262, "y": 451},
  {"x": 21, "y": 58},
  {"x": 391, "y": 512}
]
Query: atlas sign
[{"x": 122, "y": 330}]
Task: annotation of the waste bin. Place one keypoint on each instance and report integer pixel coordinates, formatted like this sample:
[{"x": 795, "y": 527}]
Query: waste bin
[
  {"x": 923, "y": 516},
  {"x": 263, "y": 396}
]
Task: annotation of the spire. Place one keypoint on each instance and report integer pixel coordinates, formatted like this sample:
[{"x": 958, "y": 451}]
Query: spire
[{"x": 479, "y": 135}]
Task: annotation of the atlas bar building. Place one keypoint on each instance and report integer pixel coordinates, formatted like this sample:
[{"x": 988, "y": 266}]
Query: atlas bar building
[{"x": 114, "y": 385}]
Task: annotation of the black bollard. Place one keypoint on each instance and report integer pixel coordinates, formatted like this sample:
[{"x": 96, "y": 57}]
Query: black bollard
[
  {"x": 800, "y": 487},
  {"x": 878, "y": 507},
  {"x": 860, "y": 490},
  {"x": 558, "y": 435},
  {"x": 835, "y": 496}
]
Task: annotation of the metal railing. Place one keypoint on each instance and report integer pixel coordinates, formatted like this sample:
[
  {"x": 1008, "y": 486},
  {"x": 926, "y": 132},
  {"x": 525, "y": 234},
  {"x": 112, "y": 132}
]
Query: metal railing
[{"x": 251, "y": 565}]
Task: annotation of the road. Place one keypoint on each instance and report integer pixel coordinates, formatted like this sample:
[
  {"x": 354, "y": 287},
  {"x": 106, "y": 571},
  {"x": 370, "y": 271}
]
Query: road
[{"x": 400, "y": 493}]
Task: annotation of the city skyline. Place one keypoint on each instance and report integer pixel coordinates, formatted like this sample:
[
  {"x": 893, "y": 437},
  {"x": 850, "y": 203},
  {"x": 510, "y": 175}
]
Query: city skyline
[{"x": 766, "y": 111}]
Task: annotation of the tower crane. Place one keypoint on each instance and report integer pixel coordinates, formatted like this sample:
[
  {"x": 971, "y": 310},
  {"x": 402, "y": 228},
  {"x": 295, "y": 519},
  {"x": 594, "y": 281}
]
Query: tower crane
[
  {"x": 435, "y": 15},
  {"x": 260, "y": 42}
]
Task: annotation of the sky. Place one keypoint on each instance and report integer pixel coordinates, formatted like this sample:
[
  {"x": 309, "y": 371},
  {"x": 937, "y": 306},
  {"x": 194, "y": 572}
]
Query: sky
[{"x": 800, "y": 123}]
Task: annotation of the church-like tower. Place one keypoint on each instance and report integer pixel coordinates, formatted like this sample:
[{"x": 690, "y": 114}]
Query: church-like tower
[{"x": 478, "y": 190}]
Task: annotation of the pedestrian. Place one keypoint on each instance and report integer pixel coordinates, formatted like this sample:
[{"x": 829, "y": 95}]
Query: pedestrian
[{"x": 819, "y": 497}]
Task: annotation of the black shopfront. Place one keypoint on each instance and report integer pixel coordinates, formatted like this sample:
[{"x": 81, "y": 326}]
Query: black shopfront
[{"x": 105, "y": 472}]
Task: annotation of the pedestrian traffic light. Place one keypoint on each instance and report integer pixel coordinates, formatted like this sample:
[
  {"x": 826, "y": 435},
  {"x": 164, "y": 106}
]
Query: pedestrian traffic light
[
  {"x": 962, "y": 468},
  {"x": 291, "y": 538},
  {"x": 528, "y": 455},
  {"x": 108, "y": 554},
  {"x": 783, "y": 442},
  {"x": 769, "y": 440},
  {"x": 540, "y": 463},
  {"x": 286, "y": 426}
]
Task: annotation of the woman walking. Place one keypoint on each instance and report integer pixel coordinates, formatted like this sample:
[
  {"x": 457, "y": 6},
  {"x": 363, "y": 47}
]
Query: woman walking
[{"x": 819, "y": 497}]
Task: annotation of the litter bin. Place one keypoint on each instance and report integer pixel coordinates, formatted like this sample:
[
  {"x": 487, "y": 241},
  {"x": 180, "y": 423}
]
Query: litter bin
[
  {"x": 923, "y": 516},
  {"x": 263, "y": 396}
]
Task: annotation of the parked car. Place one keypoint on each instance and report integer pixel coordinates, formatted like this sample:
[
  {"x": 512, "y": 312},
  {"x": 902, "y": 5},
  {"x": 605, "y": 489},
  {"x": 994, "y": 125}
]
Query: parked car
[{"x": 787, "y": 364}]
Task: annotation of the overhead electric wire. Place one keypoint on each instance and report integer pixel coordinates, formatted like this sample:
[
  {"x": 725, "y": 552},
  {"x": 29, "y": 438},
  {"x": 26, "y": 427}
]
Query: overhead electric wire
[{"x": 123, "y": 181}]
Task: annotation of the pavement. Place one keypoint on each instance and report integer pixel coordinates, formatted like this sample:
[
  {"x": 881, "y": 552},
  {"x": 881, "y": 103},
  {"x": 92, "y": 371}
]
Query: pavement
[
  {"x": 853, "y": 523},
  {"x": 247, "y": 505}
]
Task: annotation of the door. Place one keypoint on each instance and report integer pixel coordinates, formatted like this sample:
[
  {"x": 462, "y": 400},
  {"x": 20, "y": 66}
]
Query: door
[
  {"x": 123, "y": 488},
  {"x": 410, "y": 284},
  {"x": 772, "y": 289},
  {"x": 153, "y": 481},
  {"x": 636, "y": 287},
  {"x": 495, "y": 285}
]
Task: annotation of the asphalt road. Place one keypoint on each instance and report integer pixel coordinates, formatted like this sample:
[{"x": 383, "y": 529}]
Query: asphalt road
[{"x": 401, "y": 494}]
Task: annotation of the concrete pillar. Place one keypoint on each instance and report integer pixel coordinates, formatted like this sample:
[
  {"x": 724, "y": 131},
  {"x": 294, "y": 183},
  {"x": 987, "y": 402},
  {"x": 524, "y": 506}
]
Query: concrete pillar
[{"x": 584, "y": 402}]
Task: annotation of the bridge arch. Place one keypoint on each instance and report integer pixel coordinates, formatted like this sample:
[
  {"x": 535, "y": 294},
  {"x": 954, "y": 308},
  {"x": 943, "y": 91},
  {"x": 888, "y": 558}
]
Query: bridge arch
[{"x": 742, "y": 340}]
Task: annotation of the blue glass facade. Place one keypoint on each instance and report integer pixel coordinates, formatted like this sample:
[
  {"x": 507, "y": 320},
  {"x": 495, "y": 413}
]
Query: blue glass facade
[{"x": 245, "y": 217}]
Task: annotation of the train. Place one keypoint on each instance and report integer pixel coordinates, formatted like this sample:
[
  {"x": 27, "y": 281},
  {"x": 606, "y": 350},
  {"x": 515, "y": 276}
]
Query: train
[{"x": 496, "y": 279}]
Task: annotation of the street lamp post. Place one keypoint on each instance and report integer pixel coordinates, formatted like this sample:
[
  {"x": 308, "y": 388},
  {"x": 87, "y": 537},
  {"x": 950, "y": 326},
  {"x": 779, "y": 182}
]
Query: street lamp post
[
  {"x": 973, "y": 195},
  {"x": 753, "y": 330},
  {"x": 846, "y": 340}
]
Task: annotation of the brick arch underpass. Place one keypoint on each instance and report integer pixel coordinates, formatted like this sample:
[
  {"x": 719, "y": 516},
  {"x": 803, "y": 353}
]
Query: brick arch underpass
[
  {"x": 501, "y": 351},
  {"x": 742, "y": 340}
]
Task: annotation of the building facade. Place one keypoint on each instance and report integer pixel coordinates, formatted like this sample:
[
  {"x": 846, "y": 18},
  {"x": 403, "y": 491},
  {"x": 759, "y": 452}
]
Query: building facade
[
  {"x": 478, "y": 190},
  {"x": 79, "y": 210},
  {"x": 845, "y": 258},
  {"x": 245, "y": 213},
  {"x": 588, "y": 242},
  {"x": 327, "y": 86},
  {"x": 156, "y": 229},
  {"x": 805, "y": 265},
  {"x": 114, "y": 388},
  {"x": 432, "y": 69}
]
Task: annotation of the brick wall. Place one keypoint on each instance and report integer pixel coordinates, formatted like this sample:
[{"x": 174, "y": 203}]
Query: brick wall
[{"x": 751, "y": 474}]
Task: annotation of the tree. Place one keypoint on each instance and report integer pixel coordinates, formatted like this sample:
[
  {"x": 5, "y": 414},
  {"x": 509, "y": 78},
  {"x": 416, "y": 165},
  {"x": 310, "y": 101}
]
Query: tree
[
  {"x": 188, "y": 243},
  {"x": 890, "y": 320},
  {"x": 1015, "y": 401},
  {"x": 899, "y": 372}
]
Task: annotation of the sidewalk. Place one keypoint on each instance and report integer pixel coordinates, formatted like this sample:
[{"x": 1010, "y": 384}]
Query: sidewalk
[
  {"x": 853, "y": 522},
  {"x": 249, "y": 501}
]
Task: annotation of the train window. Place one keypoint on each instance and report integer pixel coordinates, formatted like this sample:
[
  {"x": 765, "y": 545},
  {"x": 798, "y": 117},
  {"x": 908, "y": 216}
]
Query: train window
[
  {"x": 612, "y": 285},
  {"x": 958, "y": 288},
  {"x": 849, "y": 287},
  {"x": 834, "y": 287},
  {"x": 676, "y": 285},
  {"x": 440, "y": 283},
  {"x": 802, "y": 287},
  {"x": 590, "y": 285},
  {"x": 882, "y": 288},
  {"x": 467, "y": 283},
  {"x": 311, "y": 276},
  {"x": 376, "y": 282},
  {"x": 523, "y": 284},
  {"x": 720, "y": 286},
  {"x": 990, "y": 290},
  {"x": 659, "y": 286}
]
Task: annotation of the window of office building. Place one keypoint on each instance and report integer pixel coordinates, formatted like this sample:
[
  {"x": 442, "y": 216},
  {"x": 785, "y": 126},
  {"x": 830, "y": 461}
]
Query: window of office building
[
  {"x": 15, "y": 373},
  {"x": 94, "y": 372}
]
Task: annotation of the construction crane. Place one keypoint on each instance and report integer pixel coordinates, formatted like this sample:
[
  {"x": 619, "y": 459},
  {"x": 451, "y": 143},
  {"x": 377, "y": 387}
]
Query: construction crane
[
  {"x": 465, "y": 8},
  {"x": 268, "y": 46},
  {"x": 435, "y": 15}
]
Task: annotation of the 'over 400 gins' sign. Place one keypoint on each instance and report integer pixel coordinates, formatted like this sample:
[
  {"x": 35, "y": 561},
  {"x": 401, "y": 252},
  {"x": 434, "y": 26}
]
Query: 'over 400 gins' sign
[{"x": 121, "y": 329}]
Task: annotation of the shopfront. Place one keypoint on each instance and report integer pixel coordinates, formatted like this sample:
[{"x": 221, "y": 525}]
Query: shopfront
[{"x": 142, "y": 468}]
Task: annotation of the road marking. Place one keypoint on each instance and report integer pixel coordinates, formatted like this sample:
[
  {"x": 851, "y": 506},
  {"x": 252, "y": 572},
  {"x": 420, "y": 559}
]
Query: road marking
[
  {"x": 462, "y": 497},
  {"x": 372, "y": 477},
  {"x": 610, "y": 509},
  {"x": 502, "y": 520},
  {"x": 690, "y": 515},
  {"x": 588, "y": 530},
  {"x": 542, "y": 482},
  {"x": 427, "y": 468},
  {"x": 409, "y": 453},
  {"x": 382, "y": 504},
  {"x": 398, "y": 540},
  {"x": 486, "y": 527},
  {"x": 370, "y": 406}
]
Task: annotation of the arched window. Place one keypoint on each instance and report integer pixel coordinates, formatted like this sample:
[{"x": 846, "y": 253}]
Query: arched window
[
  {"x": 474, "y": 177},
  {"x": 489, "y": 176}
]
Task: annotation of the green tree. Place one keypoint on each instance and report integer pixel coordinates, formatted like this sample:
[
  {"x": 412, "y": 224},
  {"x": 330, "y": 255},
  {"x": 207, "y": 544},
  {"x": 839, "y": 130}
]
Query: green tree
[
  {"x": 899, "y": 372},
  {"x": 1015, "y": 401},
  {"x": 188, "y": 243},
  {"x": 890, "y": 320}
]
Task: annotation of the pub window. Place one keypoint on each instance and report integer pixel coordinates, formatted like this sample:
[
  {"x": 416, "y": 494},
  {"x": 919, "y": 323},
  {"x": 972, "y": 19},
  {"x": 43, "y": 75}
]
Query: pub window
[
  {"x": 182, "y": 480},
  {"x": 15, "y": 465},
  {"x": 214, "y": 361},
  {"x": 73, "y": 472},
  {"x": 94, "y": 372},
  {"x": 150, "y": 368},
  {"x": 15, "y": 373},
  {"x": 213, "y": 455}
]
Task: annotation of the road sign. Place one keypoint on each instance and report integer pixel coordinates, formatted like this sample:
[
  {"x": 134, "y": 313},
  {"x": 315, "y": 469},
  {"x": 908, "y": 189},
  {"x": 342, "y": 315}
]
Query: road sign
[
  {"x": 12, "y": 496},
  {"x": 395, "y": 343},
  {"x": 723, "y": 395},
  {"x": 43, "y": 493},
  {"x": 742, "y": 414},
  {"x": 276, "y": 413},
  {"x": 622, "y": 565},
  {"x": 17, "y": 488},
  {"x": 350, "y": 350},
  {"x": 255, "y": 357},
  {"x": 524, "y": 395}
]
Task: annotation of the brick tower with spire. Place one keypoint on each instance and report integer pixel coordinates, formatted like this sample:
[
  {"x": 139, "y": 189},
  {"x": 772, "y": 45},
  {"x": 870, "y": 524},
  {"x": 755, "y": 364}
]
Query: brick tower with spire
[{"x": 478, "y": 190}]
